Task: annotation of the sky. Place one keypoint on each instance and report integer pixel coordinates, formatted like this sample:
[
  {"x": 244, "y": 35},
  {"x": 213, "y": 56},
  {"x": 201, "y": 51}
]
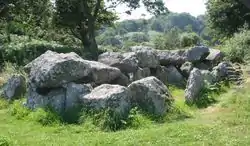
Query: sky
[{"x": 194, "y": 7}]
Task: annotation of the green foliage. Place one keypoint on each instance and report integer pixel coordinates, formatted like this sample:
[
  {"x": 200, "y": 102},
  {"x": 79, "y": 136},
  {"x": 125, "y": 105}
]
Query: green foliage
[
  {"x": 22, "y": 52},
  {"x": 3, "y": 104},
  {"x": 4, "y": 141},
  {"x": 18, "y": 110},
  {"x": 189, "y": 39},
  {"x": 45, "y": 117},
  {"x": 225, "y": 17},
  {"x": 209, "y": 93},
  {"x": 107, "y": 120},
  {"x": 237, "y": 48},
  {"x": 168, "y": 41},
  {"x": 139, "y": 37}
]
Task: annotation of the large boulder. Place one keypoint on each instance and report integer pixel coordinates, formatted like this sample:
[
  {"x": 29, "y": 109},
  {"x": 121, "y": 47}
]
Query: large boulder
[
  {"x": 221, "y": 70},
  {"x": 122, "y": 80},
  {"x": 215, "y": 55},
  {"x": 151, "y": 95},
  {"x": 14, "y": 88},
  {"x": 114, "y": 97},
  {"x": 194, "y": 86},
  {"x": 170, "y": 75},
  {"x": 53, "y": 69},
  {"x": 172, "y": 57},
  {"x": 126, "y": 62},
  {"x": 202, "y": 66},
  {"x": 140, "y": 48},
  {"x": 141, "y": 73},
  {"x": 197, "y": 53},
  {"x": 74, "y": 92},
  {"x": 186, "y": 68},
  {"x": 178, "y": 57},
  {"x": 60, "y": 99},
  {"x": 208, "y": 77},
  {"x": 54, "y": 99},
  {"x": 101, "y": 73},
  {"x": 147, "y": 58}
]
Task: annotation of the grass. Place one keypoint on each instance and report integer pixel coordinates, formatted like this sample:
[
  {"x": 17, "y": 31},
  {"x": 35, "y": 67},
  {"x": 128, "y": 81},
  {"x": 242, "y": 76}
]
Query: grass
[{"x": 224, "y": 123}]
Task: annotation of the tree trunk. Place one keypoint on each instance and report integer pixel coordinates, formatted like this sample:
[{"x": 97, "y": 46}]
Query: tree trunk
[{"x": 89, "y": 44}]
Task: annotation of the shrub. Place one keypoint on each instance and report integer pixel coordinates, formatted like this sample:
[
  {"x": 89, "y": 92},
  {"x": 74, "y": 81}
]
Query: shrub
[
  {"x": 237, "y": 48},
  {"x": 3, "y": 104},
  {"x": 18, "y": 110},
  {"x": 168, "y": 41},
  {"x": 45, "y": 117},
  {"x": 22, "y": 52},
  {"x": 189, "y": 39},
  {"x": 107, "y": 120},
  {"x": 139, "y": 37}
]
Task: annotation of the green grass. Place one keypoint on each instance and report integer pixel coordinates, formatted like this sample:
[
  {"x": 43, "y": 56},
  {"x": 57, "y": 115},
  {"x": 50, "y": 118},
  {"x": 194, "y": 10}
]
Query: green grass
[{"x": 225, "y": 123}]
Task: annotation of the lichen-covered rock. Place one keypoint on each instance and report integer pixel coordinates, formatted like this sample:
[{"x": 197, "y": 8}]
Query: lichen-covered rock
[
  {"x": 126, "y": 62},
  {"x": 114, "y": 97},
  {"x": 101, "y": 73},
  {"x": 36, "y": 62},
  {"x": 208, "y": 77},
  {"x": 194, "y": 86},
  {"x": 122, "y": 80},
  {"x": 54, "y": 99},
  {"x": 74, "y": 92},
  {"x": 151, "y": 95},
  {"x": 170, "y": 75},
  {"x": 186, "y": 68},
  {"x": 174, "y": 77},
  {"x": 215, "y": 55},
  {"x": 161, "y": 72},
  {"x": 141, "y": 73},
  {"x": 221, "y": 70},
  {"x": 60, "y": 99},
  {"x": 202, "y": 66},
  {"x": 197, "y": 53},
  {"x": 172, "y": 57},
  {"x": 178, "y": 57},
  {"x": 147, "y": 58},
  {"x": 140, "y": 48},
  {"x": 14, "y": 88},
  {"x": 53, "y": 69}
]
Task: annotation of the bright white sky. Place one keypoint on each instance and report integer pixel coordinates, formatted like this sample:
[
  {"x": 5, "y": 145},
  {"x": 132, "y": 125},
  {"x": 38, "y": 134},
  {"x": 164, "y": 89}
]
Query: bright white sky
[{"x": 194, "y": 7}]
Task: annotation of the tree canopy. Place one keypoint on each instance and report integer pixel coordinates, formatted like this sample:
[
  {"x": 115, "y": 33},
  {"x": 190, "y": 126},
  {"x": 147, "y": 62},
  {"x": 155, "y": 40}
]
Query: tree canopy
[
  {"x": 226, "y": 16},
  {"x": 82, "y": 17}
]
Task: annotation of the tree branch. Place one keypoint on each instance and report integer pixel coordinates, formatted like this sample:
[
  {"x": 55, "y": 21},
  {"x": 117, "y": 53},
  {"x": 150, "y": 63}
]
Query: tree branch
[
  {"x": 77, "y": 35},
  {"x": 97, "y": 8},
  {"x": 114, "y": 6}
]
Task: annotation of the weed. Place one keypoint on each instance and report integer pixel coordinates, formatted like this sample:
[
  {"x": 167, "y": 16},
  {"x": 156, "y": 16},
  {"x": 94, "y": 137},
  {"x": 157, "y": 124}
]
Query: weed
[{"x": 4, "y": 141}]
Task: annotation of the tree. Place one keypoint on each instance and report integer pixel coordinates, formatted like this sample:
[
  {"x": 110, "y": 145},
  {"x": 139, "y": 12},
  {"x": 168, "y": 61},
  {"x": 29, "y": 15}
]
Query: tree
[
  {"x": 83, "y": 17},
  {"x": 246, "y": 3},
  {"x": 226, "y": 16},
  {"x": 27, "y": 14}
]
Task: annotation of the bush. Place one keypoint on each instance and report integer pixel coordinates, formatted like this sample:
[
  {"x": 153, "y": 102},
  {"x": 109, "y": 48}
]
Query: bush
[
  {"x": 168, "y": 41},
  {"x": 22, "y": 52},
  {"x": 45, "y": 117},
  {"x": 107, "y": 120},
  {"x": 189, "y": 39},
  {"x": 237, "y": 48},
  {"x": 18, "y": 110},
  {"x": 3, "y": 104}
]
